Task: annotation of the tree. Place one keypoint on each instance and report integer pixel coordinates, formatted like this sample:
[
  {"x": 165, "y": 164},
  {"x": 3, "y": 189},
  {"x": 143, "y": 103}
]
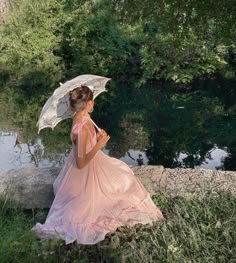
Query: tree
[{"x": 29, "y": 43}]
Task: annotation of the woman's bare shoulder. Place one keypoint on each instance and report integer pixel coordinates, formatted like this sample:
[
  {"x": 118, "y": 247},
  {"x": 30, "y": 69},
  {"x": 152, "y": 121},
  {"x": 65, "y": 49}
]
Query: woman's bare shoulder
[{"x": 80, "y": 126}]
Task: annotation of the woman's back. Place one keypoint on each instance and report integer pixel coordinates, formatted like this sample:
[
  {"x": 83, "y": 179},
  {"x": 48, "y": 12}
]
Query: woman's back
[{"x": 84, "y": 134}]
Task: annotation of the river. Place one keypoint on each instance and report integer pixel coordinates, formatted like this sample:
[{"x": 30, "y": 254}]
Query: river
[{"x": 154, "y": 124}]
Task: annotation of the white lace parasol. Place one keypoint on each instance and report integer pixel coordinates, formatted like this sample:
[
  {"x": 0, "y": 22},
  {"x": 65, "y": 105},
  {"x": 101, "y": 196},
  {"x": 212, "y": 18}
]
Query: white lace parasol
[{"x": 57, "y": 106}]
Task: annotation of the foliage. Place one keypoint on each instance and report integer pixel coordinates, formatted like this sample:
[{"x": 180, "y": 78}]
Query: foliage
[
  {"x": 29, "y": 43},
  {"x": 168, "y": 58},
  {"x": 95, "y": 42},
  {"x": 47, "y": 41},
  {"x": 211, "y": 18}
]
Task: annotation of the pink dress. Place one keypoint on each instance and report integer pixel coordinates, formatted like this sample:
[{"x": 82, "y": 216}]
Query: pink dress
[{"x": 95, "y": 200}]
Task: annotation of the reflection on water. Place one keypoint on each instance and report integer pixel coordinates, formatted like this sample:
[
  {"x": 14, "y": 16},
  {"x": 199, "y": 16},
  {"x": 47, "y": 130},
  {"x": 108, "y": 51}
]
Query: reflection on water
[
  {"x": 214, "y": 159},
  {"x": 149, "y": 125},
  {"x": 16, "y": 154}
]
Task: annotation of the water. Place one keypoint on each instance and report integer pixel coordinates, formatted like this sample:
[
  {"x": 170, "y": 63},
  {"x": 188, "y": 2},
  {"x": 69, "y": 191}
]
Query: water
[{"x": 150, "y": 125}]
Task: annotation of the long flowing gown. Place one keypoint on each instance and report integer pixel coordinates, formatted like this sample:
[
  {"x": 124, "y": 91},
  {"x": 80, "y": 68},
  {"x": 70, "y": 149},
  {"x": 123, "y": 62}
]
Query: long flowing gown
[{"x": 96, "y": 199}]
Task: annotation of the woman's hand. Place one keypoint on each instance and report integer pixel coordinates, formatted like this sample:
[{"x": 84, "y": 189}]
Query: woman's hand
[
  {"x": 101, "y": 134},
  {"x": 102, "y": 138}
]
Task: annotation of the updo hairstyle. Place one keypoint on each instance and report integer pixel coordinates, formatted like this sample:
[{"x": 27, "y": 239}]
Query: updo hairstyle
[{"x": 78, "y": 97}]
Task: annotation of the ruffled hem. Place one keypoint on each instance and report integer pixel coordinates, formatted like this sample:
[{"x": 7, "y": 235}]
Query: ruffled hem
[{"x": 91, "y": 233}]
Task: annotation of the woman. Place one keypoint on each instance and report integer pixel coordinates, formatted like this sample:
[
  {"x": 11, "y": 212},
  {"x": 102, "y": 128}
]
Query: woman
[{"x": 94, "y": 193}]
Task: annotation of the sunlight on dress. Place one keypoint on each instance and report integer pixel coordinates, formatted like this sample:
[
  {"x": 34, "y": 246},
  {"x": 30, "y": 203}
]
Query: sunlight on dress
[{"x": 97, "y": 199}]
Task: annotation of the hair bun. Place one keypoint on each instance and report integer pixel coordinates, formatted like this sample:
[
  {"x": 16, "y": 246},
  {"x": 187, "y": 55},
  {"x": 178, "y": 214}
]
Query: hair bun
[
  {"x": 75, "y": 93},
  {"x": 79, "y": 96}
]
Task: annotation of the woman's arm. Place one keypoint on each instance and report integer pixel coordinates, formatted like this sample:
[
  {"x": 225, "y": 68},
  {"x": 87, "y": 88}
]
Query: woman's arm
[{"x": 82, "y": 161}]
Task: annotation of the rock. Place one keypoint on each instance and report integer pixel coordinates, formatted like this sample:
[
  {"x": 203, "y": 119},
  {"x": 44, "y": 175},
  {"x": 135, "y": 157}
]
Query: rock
[
  {"x": 29, "y": 187},
  {"x": 3, "y": 9},
  {"x": 151, "y": 177},
  {"x": 33, "y": 187},
  {"x": 199, "y": 181}
]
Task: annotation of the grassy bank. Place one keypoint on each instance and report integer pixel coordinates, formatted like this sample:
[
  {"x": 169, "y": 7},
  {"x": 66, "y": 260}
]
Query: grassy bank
[{"x": 196, "y": 230}]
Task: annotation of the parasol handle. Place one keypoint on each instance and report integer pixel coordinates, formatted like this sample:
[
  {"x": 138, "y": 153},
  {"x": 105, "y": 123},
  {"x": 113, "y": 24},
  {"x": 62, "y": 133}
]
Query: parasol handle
[{"x": 95, "y": 125}]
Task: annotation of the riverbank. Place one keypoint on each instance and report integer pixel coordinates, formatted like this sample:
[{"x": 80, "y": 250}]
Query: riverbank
[{"x": 199, "y": 206}]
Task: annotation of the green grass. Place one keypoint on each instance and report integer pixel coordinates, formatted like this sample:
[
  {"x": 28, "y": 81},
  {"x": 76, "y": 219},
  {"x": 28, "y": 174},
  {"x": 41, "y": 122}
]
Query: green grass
[{"x": 195, "y": 230}]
